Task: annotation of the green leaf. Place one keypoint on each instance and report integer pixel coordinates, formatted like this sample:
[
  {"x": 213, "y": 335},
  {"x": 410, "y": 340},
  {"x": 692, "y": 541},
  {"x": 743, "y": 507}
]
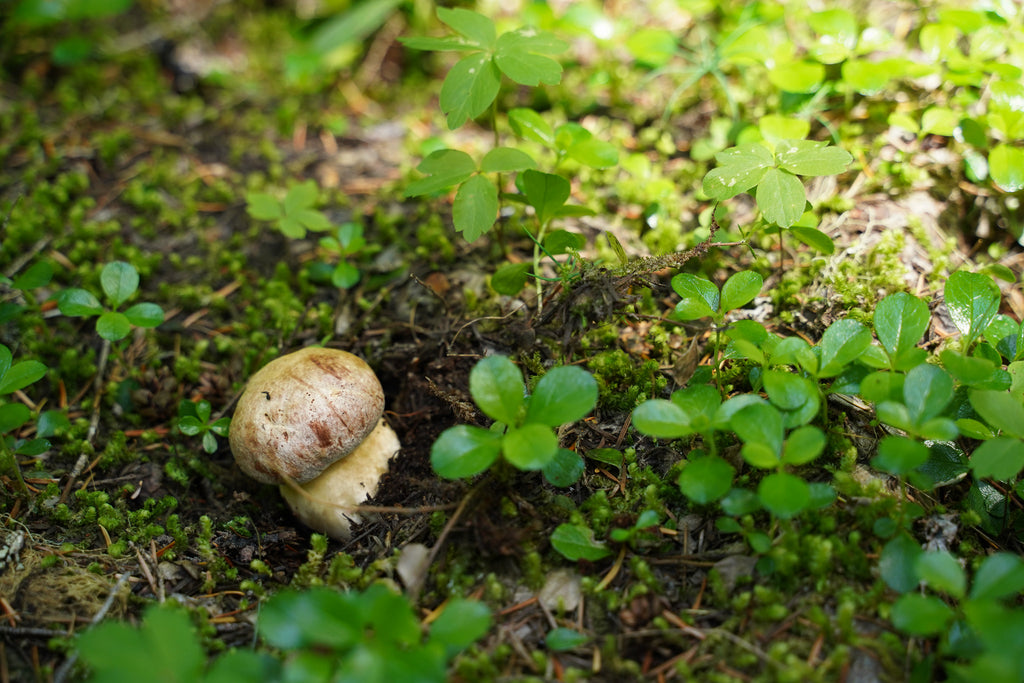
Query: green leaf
[
  {"x": 474, "y": 26},
  {"x": 741, "y": 168},
  {"x": 469, "y": 89},
  {"x": 803, "y": 445},
  {"x": 942, "y": 572},
  {"x": 52, "y": 422},
  {"x": 209, "y": 442},
  {"x": 784, "y": 495},
  {"x": 113, "y": 326},
  {"x": 560, "y": 639},
  {"x": 13, "y": 416},
  {"x": 545, "y": 192},
  {"x": 531, "y": 447},
  {"x": 78, "y": 303},
  {"x": 20, "y": 375},
  {"x": 898, "y": 563},
  {"x": 263, "y": 207},
  {"x": 594, "y": 153},
  {"x": 243, "y": 665},
  {"x": 564, "y": 394},
  {"x": 797, "y": 77},
  {"x": 475, "y": 208},
  {"x": 975, "y": 372},
  {"x": 1001, "y": 410},
  {"x": 797, "y": 395},
  {"x": 529, "y": 125},
  {"x": 814, "y": 238},
  {"x": 842, "y": 343},
  {"x": 1000, "y": 576},
  {"x": 37, "y": 275},
  {"x": 463, "y": 451},
  {"x": 921, "y": 615},
  {"x": 973, "y": 301},
  {"x": 119, "y": 281},
  {"x": 562, "y": 241},
  {"x": 462, "y": 623},
  {"x": 505, "y": 160},
  {"x": 706, "y": 479},
  {"x": 1000, "y": 458},
  {"x": 927, "y": 390},
  {"x": 164, "y": 648},
  {"x": 760, "y": 424},
  {"x": 661, "y": 419},
  {"x": 810, "y": 158},
  {"x": 776, "y": 128},
  {"x": 900, "y": 321},
  {"x": 497, "y": 387},
  {"x": 318, "y": 616},
  {"x": 565, "y": 469},
  {"x": 740, "y": 289},
  {"x": 300, "y": 196},
  {"x": 899, "y": 455},
  {"x": 443, "y": 168},
  {"x": 1006, "y": 165},
  {"x": 699, "y": 297},
  {"x": 520, "y": 56},
  {"x": 510, "y": 278},
  {"x": 781, "y": 197},
  {"x": 576, "y": 542},
  {"x": 190, "y": 426},
  {"x": 145, "y": 315}
]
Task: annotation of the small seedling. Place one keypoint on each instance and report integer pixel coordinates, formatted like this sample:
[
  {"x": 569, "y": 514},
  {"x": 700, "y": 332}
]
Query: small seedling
[
  {"x": 294, "y": 214},
  {"x": 119, "y": 281},
  {"x": 346, "y": 243},
  {"x": 194, "y": 420},
  {"x": 13, "y": 377},
  {"x": 523, "y": 432},
  {"x": 774, "y": 171}
]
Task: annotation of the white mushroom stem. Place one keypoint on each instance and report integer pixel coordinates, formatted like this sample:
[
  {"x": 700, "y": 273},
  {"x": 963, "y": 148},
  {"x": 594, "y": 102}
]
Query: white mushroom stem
[{"x": 326, "y": 503}]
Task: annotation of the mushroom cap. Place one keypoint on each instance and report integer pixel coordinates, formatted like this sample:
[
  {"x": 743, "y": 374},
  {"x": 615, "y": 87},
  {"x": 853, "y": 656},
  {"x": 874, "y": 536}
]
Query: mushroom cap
[
  {"x": 344, "y": 484},
  {"x": 303, "y": 411}
]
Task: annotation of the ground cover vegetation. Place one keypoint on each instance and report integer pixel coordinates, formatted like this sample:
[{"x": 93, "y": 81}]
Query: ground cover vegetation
[{"x": 699, "y": 323}]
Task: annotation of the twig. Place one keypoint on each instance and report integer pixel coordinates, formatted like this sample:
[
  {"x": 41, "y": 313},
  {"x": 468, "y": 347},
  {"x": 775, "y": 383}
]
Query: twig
[
  {"x": 94, "y": 420},
  {"x": 62, "y": 672}
]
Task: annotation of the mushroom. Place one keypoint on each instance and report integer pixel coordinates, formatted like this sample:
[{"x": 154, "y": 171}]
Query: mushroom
[{"x": 311, "y": 421}]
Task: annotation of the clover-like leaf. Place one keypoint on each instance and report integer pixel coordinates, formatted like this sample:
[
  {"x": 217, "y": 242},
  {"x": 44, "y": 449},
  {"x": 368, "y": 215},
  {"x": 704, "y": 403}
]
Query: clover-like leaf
[
  {"x": 145, "y": 315},
  {"x": 528, "y": 124},
  {"x": 545, "y": 192},
  {"x": 811, "y": 158},
  {"x": 740, "y": 169},
  {"x": 521, "y": 55},
  {"x": 706, "y": 479},
  {"x": 475, "y": 208},
  {"x": 661, "y": 419},
  {"x": 530, "y": 447},
  {"x": 506, "y": 159},
  {"x": 469, "y": 88},
  {"x": 472, "y": 25},
  {"x": 443, "y": 168},
  {"x": 781, "y": 197},
  {"x": 784, "y": 495},
  {"x": 699, "y": 298}
]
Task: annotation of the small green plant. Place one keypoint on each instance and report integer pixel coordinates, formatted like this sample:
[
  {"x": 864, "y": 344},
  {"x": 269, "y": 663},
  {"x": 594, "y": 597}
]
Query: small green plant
[
  {"x": 35, "y": 276},
  {"x": 294, "y": 214},
  {"x": 322, "y": 635},
  {"x": 119, "y": 281},
  {"x": 773, "y": 169},
  {"x": 194, "y": 420},
  {"x": 523, "y": 430},
  {"x": 980, "y": 634},
  {"x": 13, "y": 416},
  {"x": 342, "y": 247}
]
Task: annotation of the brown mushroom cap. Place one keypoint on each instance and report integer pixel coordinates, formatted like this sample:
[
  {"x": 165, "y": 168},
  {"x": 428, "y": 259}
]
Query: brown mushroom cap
[{"x": 303, "y": 411}]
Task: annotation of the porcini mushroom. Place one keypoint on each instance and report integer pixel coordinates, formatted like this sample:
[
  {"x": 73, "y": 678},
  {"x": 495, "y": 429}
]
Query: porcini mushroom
[{"x": 314, "y": 418}]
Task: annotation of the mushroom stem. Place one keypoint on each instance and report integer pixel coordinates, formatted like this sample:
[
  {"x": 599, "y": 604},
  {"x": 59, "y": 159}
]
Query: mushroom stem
[{"x": 326, "y": 503}]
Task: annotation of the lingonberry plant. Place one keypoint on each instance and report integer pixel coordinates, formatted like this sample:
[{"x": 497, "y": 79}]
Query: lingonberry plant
[
  {"x": 523, "y": 431},
  {"x": 119, "y": 281}
]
